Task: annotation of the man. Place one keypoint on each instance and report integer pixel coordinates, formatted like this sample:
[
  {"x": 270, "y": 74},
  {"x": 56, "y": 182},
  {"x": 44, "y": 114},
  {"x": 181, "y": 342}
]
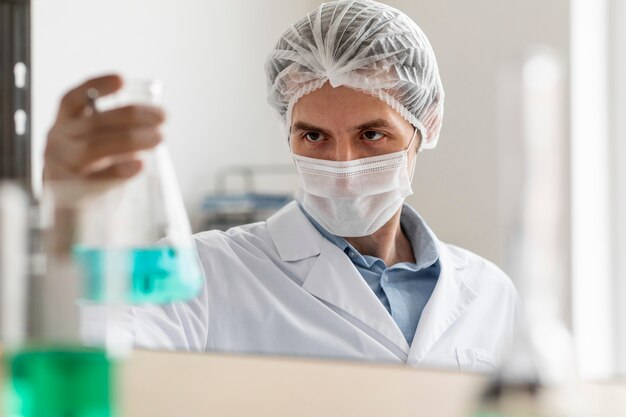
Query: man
[{"x": 347, "y": 270}]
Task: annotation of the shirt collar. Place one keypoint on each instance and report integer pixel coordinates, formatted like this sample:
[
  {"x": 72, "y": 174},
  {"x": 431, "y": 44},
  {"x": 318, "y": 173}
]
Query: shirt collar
[
  {"x": 419, "y": 234},
  {"x": 423, "y": 240}
]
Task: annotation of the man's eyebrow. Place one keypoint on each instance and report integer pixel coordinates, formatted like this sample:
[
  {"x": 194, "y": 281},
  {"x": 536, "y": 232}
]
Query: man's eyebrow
[
  {"x": 301, "y": 126},
  {"x": 372, "y": 124}
]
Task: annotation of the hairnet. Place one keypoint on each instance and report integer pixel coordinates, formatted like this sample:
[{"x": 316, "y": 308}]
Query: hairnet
[{"x": 367, "y": 46}]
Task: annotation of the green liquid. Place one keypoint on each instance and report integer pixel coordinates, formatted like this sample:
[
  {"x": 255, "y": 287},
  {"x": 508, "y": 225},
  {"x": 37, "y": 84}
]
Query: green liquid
[
  {"x": 60, "y": 382},
  {"x": 148, "y": 275}
]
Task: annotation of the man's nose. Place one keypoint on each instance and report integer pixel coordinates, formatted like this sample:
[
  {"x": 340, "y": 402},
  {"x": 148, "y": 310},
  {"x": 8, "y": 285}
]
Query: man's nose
[{"x": 344, "y": 151}]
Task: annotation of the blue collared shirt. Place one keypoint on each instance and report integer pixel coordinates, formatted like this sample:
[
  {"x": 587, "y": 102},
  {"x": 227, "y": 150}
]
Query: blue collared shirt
[{"x": 403, "y": 288}]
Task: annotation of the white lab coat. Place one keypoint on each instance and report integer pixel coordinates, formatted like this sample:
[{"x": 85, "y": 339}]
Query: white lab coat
[{"x": 279, "y": 287}]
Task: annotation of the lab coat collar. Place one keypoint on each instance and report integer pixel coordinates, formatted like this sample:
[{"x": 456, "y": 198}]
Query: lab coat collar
[
  {"x": 333, "y": 278},
  {"x": 296, "y": 238},
  {"x": 449, "y": 300},
  {"x": 293, "y": 234}
]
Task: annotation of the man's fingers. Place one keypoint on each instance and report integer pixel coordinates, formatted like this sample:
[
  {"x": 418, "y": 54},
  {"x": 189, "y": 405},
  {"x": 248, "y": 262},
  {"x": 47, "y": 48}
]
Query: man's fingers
[
  {"x": 84, "y": 157},
  {"x": 120, "y": 170},
  {"x": 116, "y": 143},
  {"x": 135, "y": 115},
  {"x": 74, "y": 102},
  {"x": 130, "y": 115},
  {"x": 117, "y": 119}
]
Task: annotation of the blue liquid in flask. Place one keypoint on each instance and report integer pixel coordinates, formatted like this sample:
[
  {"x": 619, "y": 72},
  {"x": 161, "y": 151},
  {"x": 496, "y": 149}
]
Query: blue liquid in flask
[{"x": 151, "y": 274}]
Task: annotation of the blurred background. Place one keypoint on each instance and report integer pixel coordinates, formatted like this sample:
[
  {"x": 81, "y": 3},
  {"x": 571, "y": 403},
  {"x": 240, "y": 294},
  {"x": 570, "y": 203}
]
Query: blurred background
[{"x": 529, "y": 171}]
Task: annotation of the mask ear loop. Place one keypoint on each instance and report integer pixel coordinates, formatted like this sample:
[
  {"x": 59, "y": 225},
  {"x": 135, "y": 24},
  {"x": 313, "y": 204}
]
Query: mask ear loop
[
  {"x": 412, "y": 139},
  {"x": 421, "y": 147}
]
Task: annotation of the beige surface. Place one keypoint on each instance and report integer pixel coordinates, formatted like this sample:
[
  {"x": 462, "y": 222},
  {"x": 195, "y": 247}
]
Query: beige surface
[{"x": 158, "y": 384}]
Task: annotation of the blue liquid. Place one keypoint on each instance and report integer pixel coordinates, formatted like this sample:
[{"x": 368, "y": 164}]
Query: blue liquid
[{"x": 148, "y": 275}]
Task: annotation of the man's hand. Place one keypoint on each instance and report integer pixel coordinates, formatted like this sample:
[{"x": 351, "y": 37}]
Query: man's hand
[{"x": 83, "y": 144}]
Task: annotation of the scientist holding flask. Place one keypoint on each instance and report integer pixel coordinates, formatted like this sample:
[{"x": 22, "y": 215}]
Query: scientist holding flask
[{"x": 348, "y": 270}]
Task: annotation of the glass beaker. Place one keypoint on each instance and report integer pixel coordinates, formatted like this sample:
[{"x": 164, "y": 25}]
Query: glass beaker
[
  {"x": 133, "y": 242},
  {"x": 50, "y": 372}
]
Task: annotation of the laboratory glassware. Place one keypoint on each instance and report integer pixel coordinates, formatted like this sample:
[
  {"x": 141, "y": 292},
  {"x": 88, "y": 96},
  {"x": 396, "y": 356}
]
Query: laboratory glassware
[
  {"x": 49, "y": 371},
  {"x": 537, "y": 376},
  {"x": 133, "y": 240}
]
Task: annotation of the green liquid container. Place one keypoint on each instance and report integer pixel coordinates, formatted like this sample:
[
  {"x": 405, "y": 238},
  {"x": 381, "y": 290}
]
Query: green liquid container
[
  {"x": 149, "y": 275},
  {"x": 60, "y": 382}
]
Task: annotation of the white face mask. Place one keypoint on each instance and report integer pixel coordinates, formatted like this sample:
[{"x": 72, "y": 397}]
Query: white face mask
[{"x": 354, "y": 198}]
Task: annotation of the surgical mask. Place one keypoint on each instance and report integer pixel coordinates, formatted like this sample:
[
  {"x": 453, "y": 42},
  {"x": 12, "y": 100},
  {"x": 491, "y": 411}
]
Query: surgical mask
[{"x": 354, "y": 198}]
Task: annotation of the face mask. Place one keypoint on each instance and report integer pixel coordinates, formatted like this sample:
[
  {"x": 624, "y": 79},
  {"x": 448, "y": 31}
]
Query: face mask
[{"x": 354, "y": 198}]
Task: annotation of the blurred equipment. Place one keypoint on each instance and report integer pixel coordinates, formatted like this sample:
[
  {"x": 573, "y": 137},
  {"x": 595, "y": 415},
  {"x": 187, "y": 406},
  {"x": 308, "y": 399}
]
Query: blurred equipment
[
  {"x": 538, "y": 376},
  {"x": 227, "y": 208},
  {"x": 49, "y": 371},
  {"x": 15, "y": 86},
  {"x": 13, "y": 261}
]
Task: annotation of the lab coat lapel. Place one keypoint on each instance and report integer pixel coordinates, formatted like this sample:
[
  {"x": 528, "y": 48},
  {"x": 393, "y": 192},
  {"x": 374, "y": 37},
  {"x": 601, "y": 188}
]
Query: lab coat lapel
[
  {"x": 293, "y": 234},
  {"x": 449, "y": 301},
  {"x": 333, "y": 278}
]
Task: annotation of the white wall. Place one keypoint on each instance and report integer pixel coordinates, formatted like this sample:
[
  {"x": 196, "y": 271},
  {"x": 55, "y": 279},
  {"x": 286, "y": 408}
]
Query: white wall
[
  {"x": 209, "y": 54},
  {"x": 211, "y": 60},
  {"x": 618, "y": 151}
]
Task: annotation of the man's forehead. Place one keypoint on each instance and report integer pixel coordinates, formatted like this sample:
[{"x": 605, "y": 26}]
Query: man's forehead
[{"x": 343, "y": 107}]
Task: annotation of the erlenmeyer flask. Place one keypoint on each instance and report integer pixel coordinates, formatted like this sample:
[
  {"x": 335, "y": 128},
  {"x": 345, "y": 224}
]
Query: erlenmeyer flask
[{"x": 133, "y": 242}]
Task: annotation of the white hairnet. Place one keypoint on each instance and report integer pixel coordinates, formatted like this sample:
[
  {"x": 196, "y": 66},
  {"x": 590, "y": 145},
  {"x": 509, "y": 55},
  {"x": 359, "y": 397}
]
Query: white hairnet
[{"x": 364, "y": 45}]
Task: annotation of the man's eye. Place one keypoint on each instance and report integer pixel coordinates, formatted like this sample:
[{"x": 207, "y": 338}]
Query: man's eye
[
  {"x": 372, "y": 135},
  {"x": 314, "y": 136}
]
